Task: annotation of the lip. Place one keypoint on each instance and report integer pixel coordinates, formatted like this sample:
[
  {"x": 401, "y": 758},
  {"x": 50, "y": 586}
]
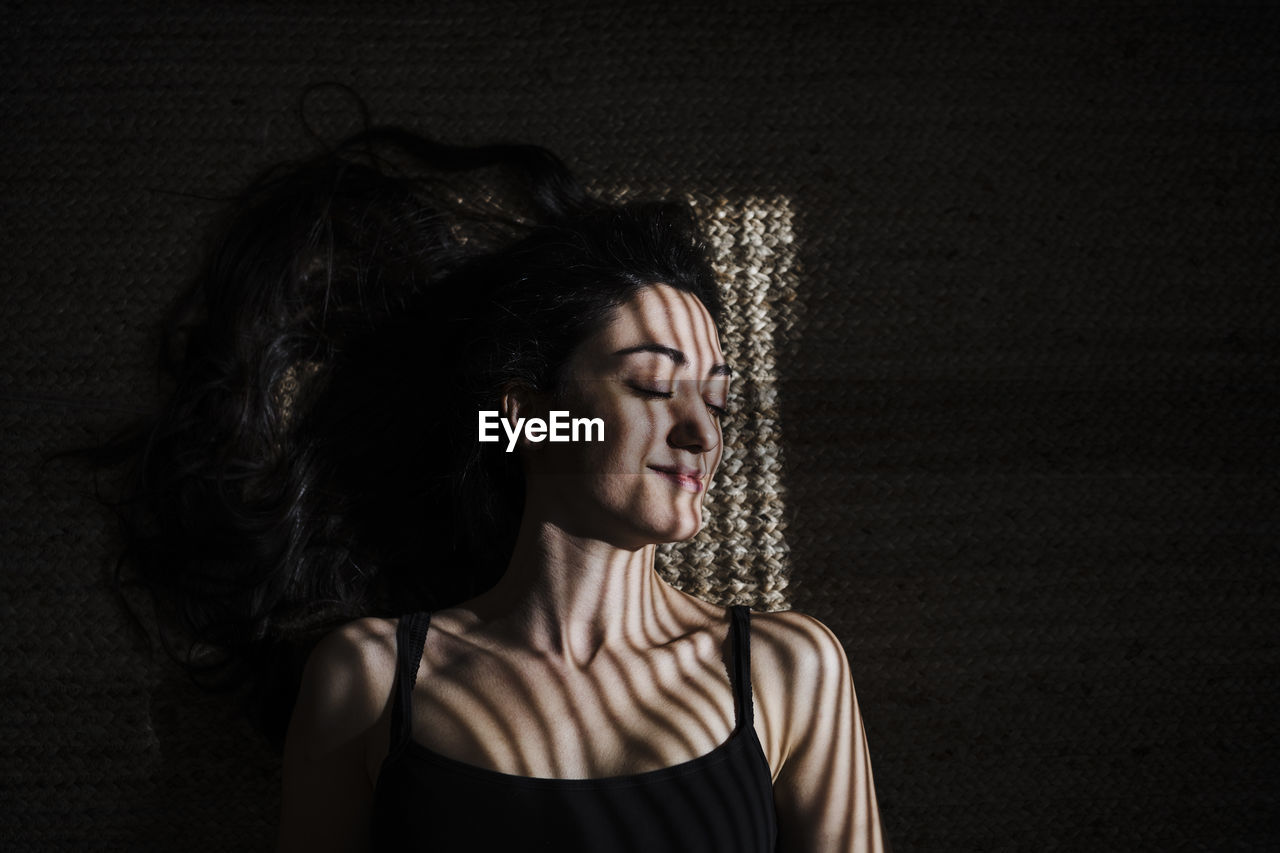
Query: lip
[{"x": 689, "y": 479}]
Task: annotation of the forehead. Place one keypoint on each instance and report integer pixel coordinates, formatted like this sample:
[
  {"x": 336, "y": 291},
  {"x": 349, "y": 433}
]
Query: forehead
[{"x": 664, "y": 315}]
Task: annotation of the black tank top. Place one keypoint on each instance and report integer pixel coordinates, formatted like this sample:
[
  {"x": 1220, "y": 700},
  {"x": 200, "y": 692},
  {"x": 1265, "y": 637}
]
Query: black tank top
[{"x": 720, "y": 801}]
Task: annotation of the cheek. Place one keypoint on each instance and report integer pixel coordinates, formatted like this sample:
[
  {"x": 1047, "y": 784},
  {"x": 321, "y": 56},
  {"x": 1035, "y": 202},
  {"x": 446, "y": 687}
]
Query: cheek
[
  {"x": 609, "y": 462},
  {"x": 631, "y": 427}
]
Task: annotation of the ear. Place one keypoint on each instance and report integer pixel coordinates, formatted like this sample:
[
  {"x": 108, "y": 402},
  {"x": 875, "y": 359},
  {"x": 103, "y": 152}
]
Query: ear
[
  {"x": 520, "y": 401},
  {"x": 517, "y": 401}
]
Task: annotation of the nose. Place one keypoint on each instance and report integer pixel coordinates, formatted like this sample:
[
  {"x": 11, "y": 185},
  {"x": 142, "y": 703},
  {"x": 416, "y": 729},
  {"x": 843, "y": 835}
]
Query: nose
[{"x": 695, "y": 429}]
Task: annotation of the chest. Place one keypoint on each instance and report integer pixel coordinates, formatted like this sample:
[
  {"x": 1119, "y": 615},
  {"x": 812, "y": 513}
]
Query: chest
[{"x": 625, "y": 714}]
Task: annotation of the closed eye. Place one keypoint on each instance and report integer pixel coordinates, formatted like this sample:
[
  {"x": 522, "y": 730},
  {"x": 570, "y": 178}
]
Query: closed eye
[
  {"x": 719, "y": 411},
  {"x": 651, "y": 393}
]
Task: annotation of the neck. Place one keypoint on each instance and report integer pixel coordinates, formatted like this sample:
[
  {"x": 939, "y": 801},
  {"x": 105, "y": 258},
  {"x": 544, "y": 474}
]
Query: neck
[{"x": 567, "y": 597}]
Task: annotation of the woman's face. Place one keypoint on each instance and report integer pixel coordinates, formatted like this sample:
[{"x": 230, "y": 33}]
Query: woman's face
[{"x": 656, "y": 376}]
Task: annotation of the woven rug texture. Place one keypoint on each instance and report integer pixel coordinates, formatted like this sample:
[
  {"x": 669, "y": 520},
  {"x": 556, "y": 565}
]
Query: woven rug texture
[{"x": 1007, "y": 293}]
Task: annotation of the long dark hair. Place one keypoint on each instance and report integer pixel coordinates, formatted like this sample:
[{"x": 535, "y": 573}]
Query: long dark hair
[{"x": 316, "y": 459}]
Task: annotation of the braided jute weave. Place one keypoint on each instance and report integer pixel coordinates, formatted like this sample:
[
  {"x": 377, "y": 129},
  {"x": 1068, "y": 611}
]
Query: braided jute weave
[
  {"x": 740, "y": 556},
  {"x": 1011, "y": 430}
]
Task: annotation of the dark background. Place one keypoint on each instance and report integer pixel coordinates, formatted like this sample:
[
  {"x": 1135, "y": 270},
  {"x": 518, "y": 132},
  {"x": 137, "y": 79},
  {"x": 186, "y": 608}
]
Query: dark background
[{"x": 1030, "y": 411}]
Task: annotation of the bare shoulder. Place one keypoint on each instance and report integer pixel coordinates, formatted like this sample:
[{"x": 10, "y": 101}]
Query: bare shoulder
[
  {"x": 799, "y": 674},
  {"x": 358, "y": 652},
  {"x": 798, "y": 645},
  {"x": 346, "y": 681},
  {"x": 813, "y": 737},
  {"x": 334, "y": 735}
]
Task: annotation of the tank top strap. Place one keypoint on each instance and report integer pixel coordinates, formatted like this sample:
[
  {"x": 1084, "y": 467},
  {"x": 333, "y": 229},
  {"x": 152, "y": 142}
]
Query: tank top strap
[
  {"x": 411, "y": 637},
  {"x": 740, "y": 627}
]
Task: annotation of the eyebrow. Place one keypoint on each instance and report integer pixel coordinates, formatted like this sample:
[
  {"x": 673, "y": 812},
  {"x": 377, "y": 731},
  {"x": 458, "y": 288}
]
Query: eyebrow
[{"x": 719, "y": 369}]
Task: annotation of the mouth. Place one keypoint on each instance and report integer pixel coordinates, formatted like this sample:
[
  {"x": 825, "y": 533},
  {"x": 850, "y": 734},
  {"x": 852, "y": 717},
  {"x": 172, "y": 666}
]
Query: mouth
[{"x": 687, "y": 479}]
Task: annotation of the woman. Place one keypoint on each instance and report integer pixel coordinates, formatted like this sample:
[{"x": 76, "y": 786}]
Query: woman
[{"x": 545, "y": 688}]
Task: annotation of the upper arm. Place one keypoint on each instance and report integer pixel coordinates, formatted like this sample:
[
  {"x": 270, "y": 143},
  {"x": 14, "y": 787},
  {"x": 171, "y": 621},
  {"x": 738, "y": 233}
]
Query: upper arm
[
  {"x": 327, "y": 795},
  {"x": 823, "y": 790}
]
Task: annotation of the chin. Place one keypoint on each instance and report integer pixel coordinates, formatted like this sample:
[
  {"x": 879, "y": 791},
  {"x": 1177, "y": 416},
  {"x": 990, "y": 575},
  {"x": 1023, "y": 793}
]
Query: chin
[
  {"x": 658, "y": 522},
  {"x": 679, "y": 529}
]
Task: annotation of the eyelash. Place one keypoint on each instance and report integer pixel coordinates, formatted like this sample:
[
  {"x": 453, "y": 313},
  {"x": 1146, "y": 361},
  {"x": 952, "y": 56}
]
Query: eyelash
[{"x": 719, "y": 412}]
